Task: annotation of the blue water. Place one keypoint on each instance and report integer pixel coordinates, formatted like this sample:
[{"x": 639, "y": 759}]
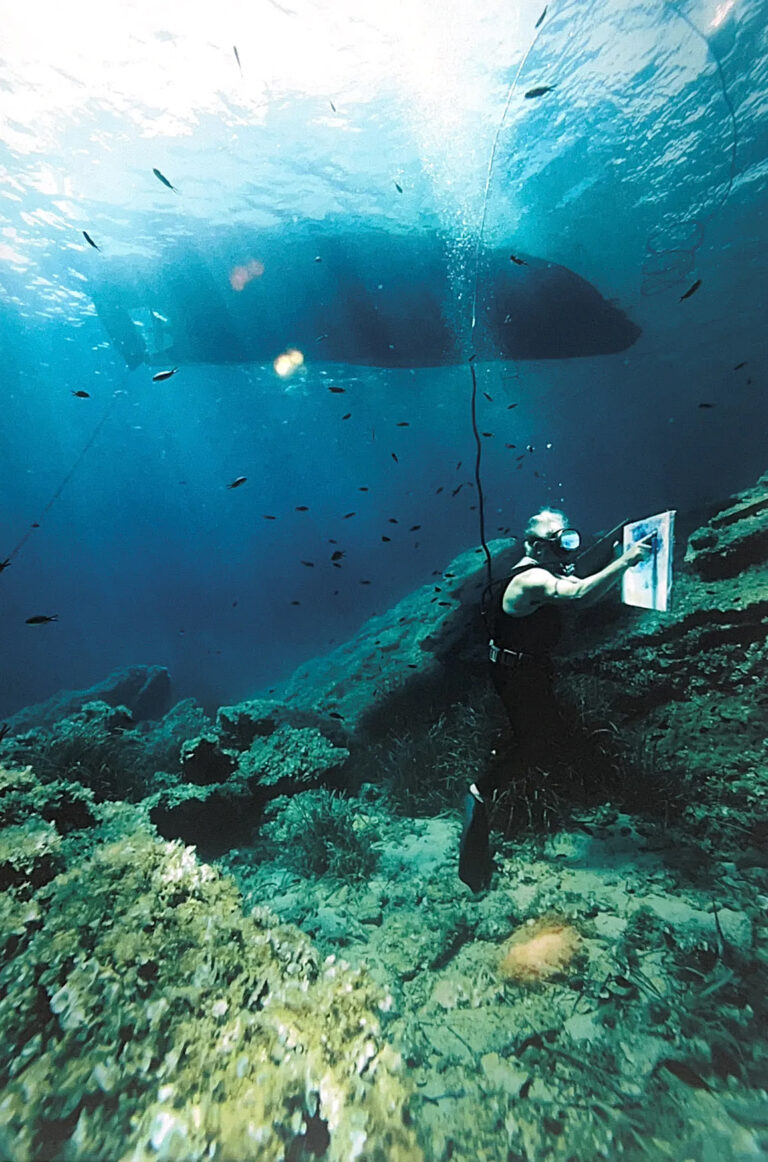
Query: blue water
[{"x": 642, "y": 170}]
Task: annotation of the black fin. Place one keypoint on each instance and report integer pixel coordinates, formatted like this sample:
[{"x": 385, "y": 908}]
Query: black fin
[{"x": 475, "y": 863}]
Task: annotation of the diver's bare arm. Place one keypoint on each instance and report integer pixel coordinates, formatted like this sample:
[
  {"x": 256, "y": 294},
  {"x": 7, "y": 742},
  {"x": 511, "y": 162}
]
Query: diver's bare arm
[{"x": 590, "y": 589}]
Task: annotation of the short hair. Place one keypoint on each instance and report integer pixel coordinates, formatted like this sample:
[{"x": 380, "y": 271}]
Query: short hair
[{"x": 544, "y": 522}]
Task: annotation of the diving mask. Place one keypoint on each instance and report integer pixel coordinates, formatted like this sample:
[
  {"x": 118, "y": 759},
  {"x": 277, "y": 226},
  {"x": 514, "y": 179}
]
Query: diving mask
[{"x": 563, "y": 541}]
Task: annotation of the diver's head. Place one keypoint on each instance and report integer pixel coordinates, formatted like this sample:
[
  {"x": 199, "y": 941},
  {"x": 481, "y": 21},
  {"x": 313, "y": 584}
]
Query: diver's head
[{"x": 549, "y": 538}]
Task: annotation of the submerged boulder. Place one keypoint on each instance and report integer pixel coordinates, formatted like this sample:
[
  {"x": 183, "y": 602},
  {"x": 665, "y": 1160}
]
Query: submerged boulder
[
  {"x": 292, "y": 755},
  {"x": 203, "y": 760}
]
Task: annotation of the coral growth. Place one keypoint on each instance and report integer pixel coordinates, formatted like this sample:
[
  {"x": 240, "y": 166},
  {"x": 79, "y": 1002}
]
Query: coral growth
[{"x": 540, "y": 950}]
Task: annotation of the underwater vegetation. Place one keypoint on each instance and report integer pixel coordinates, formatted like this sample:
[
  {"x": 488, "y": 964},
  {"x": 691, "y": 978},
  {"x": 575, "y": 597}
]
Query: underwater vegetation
[
  {"x": 144, "y": 1017},
  {"x": 424, "y": 765},
  {"x": 321, "y": 833}
]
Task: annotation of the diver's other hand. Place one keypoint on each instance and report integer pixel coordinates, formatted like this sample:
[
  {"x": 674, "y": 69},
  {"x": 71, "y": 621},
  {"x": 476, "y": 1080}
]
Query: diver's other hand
[{"x": 640, "y": 551}]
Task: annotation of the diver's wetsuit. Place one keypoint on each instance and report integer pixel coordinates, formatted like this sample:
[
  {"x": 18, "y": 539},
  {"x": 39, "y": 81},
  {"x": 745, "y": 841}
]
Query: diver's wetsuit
[
  {"x": 526, "y": 689},
  {"x": 526, "y": 686}
]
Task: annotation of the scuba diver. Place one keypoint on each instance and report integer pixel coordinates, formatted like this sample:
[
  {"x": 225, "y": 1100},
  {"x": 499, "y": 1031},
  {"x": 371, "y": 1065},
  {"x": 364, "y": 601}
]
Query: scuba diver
[{"x": 527, "y": 624}]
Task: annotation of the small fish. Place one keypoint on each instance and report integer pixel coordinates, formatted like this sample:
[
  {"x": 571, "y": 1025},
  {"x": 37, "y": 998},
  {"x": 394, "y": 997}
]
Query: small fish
[
  {"x": 335, "y": 714},
  {"x": 318, "y": 258},
  {"x": 309, "y": 564},
  {"x": 394, "y": 457},
  {"x": 365, "y": 582},
  {"x": 510, "y": 406},
  {"x": 386, "y": 538},
  {"x": 234, "y": 603},
  {"x": 414, "y": 528},
  {"x": 706, "y": 405},
  {"x": 739, "y": 366},
  {"x": 398, "y": 187},
  {"x": 457, "y": 490},
  {"x": 302, "y": 508},
  {"x": 90, "y": 241},
  {"x": 42, "y": 618},
  {"x": 295, "y": 603},
  {"x": 337, "y": 555},
  {"x": 336, "y": 564},
  {"x": 513, "y": 257},
  {"x": 4, "y": 730},
  {"x": 438, "y": 490},
  {"x": 363, "y": 488},
  {"x": 540, "y": 21},
  {"x": 520, "y": 457},
  {"x": 539, "y": 91},
  {"x": 237, "y": 58},
  {"x": 393, "y": 520},
  {"x": 691, "y": 290},
  {"x": 159, "y": 376},
  {"x": 6, "y": 564},
  {"x": 449, "y": 574},
  {"x": 35, "y": 524},
  {"x": 488, "y": 435},
  {"x": 337, "y": 390},
  {"x": 237, "y": 482},
  {"x": 510, "y": 445},
  {"x": 319, "y": 338},
  {"x": 266, "y": 517},
  {"x": 332, "y": 106},
  {"x": 488, "y": 397},
  {"x": 347, "y": 515},
  {"x": 162, "y": 178},
  {"x": 403, "y": 424},
  {"x": 529, "y": 448},
  {"x": 82, "y": 394},
  {"x": 347, "y": 416},
  {"x": 458, "y": 466}
]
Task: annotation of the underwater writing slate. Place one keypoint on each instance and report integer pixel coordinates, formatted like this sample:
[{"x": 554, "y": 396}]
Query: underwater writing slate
[{"x": 649, "y": 584}]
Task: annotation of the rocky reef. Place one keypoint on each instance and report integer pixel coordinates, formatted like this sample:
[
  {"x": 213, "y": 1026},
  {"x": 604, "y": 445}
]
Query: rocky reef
[
  {"x": 685, "y": 691},
  {"x": 144, "y": 690},
  {"x": 145, "y": 1016},
  {"x": 605, "y": 997}
]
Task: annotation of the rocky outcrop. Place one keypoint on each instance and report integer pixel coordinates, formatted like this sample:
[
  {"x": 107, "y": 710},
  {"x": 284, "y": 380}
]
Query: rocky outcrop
[
  {"x": 685, "y": 690},
  {"x": 398, "y": 664},
  {"x": 734, "y": 539},
  {"x": 144, "y": 690},
  {"x": 224, "y": 810},
  {"x": 199, "y": 1032},
  {"x": 203, "y": 761}
]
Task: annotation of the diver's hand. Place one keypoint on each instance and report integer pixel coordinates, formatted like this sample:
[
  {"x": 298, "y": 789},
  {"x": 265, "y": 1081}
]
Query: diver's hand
[{"x": 639, "y": 552}]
